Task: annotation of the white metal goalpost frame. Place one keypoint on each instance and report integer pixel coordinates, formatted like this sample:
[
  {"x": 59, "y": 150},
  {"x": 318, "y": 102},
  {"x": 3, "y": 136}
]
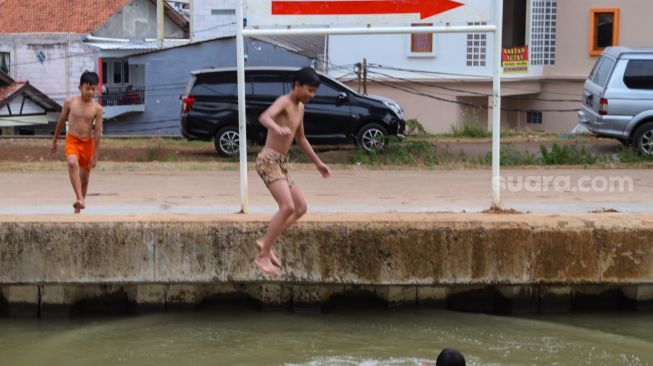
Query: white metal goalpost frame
[{"x": 241, "y": 33}]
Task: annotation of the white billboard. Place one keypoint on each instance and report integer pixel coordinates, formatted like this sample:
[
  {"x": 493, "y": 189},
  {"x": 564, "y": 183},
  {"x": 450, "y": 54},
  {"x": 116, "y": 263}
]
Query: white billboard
[{"x": 338, "y": 13}]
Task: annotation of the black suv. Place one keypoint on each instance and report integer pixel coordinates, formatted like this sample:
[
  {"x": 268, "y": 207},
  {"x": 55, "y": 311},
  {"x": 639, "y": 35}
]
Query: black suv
[{"x": 336, "y": 115}]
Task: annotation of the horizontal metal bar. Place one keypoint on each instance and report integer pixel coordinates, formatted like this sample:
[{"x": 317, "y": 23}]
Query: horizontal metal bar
[{"x": 249, "y": 32}]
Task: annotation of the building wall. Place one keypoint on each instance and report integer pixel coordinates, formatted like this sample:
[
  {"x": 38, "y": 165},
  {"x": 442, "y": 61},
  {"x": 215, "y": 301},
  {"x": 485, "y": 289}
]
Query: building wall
[
  {"x": 559, "y": 88},
  {"x": 212, "y": 19},
  {"x": 167, "y": 73},
  {"x": 137, "y": 20},
  {"x": 65, "y": 59},
  {"x": 573, "y": 59}
]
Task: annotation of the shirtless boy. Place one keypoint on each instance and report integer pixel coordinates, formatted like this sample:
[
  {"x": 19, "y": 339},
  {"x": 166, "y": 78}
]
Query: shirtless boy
[
  {"x": 82, "y": 144},
  {"x": 284, "y": 120}
]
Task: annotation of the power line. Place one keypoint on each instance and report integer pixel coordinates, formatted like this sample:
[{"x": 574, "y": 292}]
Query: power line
[
  {"x": 428, "y": 72},
  {"x": 469, "y": 104},
  {"x": 473, "y": 92}
]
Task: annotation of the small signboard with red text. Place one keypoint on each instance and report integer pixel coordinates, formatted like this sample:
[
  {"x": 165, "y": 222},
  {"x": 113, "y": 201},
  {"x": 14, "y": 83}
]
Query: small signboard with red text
[{"x": 515, "y": 60}]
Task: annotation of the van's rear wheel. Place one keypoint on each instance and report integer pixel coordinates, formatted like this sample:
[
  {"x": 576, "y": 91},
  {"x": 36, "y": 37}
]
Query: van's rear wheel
[
  {"x": 372, "y": 137},
  {"x": 643, "y": 139},
  {"x": 227, "y": 141}
]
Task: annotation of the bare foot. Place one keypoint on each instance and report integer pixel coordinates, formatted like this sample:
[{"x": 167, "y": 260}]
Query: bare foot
[
  {"x": 79, "y": 205},
  {"x": 266, "y": 266},
  {"x": 273, "y": 258},
  {"x": 77, "y": 210}
]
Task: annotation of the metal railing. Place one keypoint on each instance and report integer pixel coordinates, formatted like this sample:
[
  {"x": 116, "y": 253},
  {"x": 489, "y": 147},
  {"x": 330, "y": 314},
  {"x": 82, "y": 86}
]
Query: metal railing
[{"x": 122, "y": 96}]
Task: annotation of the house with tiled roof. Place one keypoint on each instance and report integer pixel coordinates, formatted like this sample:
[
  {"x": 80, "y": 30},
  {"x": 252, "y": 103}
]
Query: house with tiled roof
[
  {"x": 52, "y": 42},
  {"x": 22, "y": 105}
]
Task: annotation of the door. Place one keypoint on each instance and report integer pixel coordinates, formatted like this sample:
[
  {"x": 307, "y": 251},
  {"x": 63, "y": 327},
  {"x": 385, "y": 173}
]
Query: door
[{"x": 327, "y": 117}]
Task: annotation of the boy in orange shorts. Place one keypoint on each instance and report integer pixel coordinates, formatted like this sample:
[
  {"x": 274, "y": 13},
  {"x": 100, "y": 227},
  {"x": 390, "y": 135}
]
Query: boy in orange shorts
[{"x": 82, "y": 144}]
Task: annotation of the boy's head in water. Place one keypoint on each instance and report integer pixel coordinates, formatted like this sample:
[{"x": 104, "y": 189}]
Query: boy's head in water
[
  {"x": 450, "y": 357},
  {"x": 305, "y": 83}
]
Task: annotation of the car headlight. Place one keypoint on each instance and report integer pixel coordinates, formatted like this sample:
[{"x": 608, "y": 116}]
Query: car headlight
[{"x": 395, "y": 108}]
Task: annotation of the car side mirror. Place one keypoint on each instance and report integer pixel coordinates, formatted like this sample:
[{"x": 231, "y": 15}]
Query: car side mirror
[{"x": 342, "y": 97}]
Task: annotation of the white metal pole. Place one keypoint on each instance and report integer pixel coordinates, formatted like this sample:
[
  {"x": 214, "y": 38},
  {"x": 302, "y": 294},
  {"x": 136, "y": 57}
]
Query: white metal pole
[
  {"x": 496, "y": 104},
  {"x": 242, "y": 130},
  {"x": 368, "y": 30},
  {"x": 159, "y": 22}
]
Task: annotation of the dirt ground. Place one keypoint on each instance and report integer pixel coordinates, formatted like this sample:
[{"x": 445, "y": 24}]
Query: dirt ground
[
  {"x": 141, "y": 192},
  {"x": 171, "y": 176}
]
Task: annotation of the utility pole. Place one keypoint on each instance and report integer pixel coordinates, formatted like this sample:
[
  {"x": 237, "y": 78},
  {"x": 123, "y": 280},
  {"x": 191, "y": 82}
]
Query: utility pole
[
  {"x": 159, "y": 22},
  {"x": 358, "y": 68},
  {"x": 364, "y": 76}
]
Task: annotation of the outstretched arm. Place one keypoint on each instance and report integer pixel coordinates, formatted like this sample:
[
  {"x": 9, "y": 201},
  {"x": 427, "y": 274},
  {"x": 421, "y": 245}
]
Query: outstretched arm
[
  {"x": 268, "y": 116},
  {"x": 303, "y": 143},
  {"x": 63, "y": 117}
]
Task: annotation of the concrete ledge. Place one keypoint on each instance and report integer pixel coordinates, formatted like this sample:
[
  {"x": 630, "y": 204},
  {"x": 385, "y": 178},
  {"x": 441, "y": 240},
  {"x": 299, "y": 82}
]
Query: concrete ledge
[{"x": 510, "y": 263}]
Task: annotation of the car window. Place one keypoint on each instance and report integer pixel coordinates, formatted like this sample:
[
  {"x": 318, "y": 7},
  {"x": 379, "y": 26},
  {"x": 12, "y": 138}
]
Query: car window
[
  {"x": 343, "y": 86},
  {"x": 268, "y": 86},
  {"x": 214, "y": 85},
  {"x": 190, "y": 85},
  {"x": 327, "y": 91},
  {"x": 602, "y": 74},
  {"x": 639, "y": 74},
  {"x": 596, "y": 67}
]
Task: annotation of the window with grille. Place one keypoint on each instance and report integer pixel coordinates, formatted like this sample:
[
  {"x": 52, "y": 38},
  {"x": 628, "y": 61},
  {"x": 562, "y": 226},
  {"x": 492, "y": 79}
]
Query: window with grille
[
  {"x": 223, "y": 11},
  {"x": 534, "y": 117},
  {"x": 544, "y": 22},
  {"x": 476, "y": 46}
]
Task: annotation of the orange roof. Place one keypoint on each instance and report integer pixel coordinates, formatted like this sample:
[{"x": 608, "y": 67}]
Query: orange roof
[
  {"x": 63, "y": 16},
  {"x": 36, "y": 16}
]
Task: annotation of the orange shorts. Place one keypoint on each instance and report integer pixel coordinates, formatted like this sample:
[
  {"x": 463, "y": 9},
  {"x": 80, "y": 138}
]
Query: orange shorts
[{"x": 81, "y": 148}]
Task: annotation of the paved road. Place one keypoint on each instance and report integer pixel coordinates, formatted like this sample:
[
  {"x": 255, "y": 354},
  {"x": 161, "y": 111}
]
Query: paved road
[{"x": 351, "y": 191}]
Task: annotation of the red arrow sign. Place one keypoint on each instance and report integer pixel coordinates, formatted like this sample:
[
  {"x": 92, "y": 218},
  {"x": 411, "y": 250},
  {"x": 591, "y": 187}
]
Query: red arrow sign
[{"x": 426, "y": 8}]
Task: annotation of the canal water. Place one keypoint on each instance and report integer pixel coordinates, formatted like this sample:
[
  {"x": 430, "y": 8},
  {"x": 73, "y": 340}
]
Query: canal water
[{"x": 402, "y": 336}]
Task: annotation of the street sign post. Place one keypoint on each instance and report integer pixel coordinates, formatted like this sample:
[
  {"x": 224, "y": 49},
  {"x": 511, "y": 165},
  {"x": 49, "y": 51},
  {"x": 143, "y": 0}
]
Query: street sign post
[{"x": 348, "y": 17}]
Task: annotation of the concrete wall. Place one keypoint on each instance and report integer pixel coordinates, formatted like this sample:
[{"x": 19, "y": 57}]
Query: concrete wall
[
  {"x": 66, "y": 58},
  {"x": 167, "y": 73},
  {"x": 530, "y": 258},
  {"x": 205, "y": 24},
  {"x": 438, "y": 116},
  {"x": 572, "y": 53},
  {"x": 137, "y": 20}
]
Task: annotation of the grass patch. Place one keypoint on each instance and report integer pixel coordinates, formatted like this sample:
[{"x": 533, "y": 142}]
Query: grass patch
[
  {"x": 571, "y": 155},
  {"x": 510, "y": 156},
  {"x": 629, "y": 156},
  {"x": 408, "y": 152},
  {"x": 472, "y": 130},
  {"x": 414, "y": 128},
  {"x": 557, "y": 155}
]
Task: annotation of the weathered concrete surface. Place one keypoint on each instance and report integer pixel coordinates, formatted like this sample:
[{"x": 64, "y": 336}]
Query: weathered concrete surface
[{"x": 504, "y": 263}]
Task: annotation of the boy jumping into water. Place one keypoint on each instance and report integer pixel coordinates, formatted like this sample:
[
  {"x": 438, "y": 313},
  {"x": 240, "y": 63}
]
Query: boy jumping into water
[
  {"x": 285, "y": 122},
  {"x": 81, "y": 144}
]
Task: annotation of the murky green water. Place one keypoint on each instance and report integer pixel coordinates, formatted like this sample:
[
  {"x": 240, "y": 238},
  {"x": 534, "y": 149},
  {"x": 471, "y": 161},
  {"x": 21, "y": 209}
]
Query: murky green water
[{"x": 342, "y": 337}]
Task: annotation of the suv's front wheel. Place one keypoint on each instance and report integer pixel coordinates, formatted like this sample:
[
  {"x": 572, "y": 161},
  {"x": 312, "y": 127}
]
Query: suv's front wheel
[
  {"x": 643, "y": 139},
  {"x": 227, "y": 141},
  {"x": 372, "y": 137}
]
